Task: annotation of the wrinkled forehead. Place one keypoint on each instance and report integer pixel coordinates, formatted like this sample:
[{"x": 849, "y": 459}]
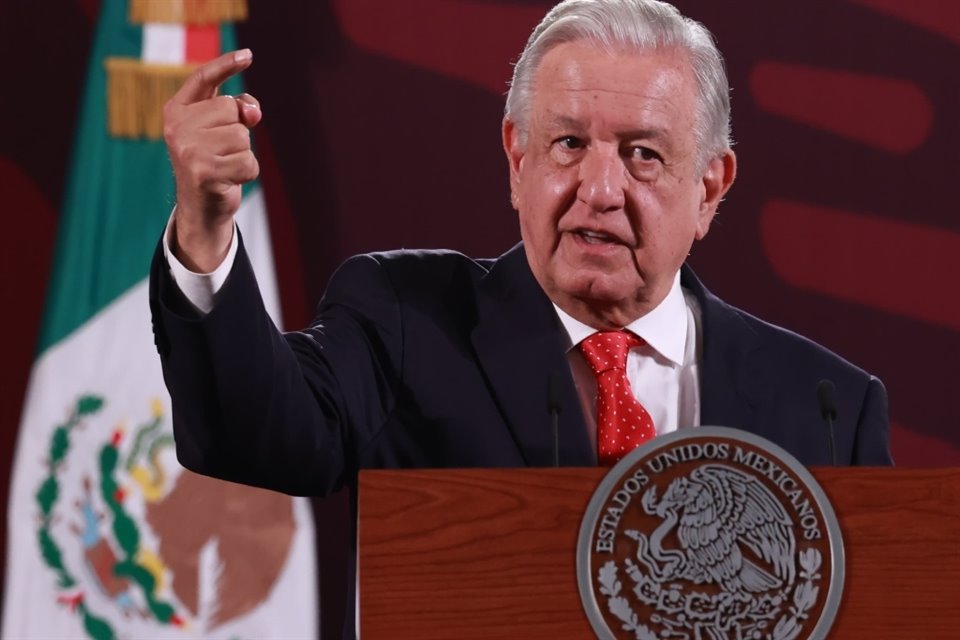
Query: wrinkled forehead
[
  {"x": 619, "y": 60},
  {"x": 584, "y": 59},
  {"x": 584, "y": 76}
]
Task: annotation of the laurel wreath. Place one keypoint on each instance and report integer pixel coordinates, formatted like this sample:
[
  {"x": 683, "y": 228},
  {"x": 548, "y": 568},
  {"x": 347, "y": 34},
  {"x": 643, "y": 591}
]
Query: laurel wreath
[
  {"x": 47, "y": 496},
  {"x": 125, "y": 529},
  {"x": 788, "y": 627},
  {"x": 618, "y": 605},
  {"x": 804, "y": 597}
]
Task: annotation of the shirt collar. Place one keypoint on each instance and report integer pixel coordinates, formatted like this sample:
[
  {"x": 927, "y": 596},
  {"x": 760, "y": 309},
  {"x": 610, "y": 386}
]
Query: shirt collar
[{"x": 664, "y": 328}]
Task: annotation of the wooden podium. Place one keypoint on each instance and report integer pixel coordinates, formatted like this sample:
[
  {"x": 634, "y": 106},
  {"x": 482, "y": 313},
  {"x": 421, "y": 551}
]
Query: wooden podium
[{"x": 481, "y": 553}]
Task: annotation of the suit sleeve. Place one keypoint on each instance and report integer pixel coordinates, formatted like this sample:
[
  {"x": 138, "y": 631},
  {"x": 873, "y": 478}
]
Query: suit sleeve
[
  {"x": 872, "y": 442},
  {"x": 289, "y": 412}
]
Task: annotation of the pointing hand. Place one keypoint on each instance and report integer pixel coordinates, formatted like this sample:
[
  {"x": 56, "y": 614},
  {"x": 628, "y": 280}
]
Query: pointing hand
[{"x": 208, "y": 138}]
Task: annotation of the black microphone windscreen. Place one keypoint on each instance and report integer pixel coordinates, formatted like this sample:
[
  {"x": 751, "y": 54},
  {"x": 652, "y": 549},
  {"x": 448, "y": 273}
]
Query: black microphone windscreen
[
  {"x": 554, "y": 383},
  {"x": 827, "y": 395}
]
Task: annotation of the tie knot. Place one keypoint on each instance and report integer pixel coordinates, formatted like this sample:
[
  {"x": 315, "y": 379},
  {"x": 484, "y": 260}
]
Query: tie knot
[{"x": 607, "y": 350}]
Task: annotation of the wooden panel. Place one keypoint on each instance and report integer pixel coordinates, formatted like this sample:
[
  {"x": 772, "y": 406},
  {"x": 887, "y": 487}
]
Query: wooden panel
[
  {"x": 901, "y": 532},
  {"x": 482, "y": 553},
  {"x": 471, "y": 553}
]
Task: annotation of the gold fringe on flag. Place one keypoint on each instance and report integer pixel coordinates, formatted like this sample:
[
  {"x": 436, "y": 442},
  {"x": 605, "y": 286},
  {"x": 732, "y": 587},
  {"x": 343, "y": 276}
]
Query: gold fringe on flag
[
  {"x": 188, "y": 11},
  {"x": 136, "y": 93}
]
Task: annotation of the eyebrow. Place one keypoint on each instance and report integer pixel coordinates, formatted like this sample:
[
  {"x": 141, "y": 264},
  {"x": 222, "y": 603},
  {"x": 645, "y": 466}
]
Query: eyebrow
[{"x": 638, "y": 133}]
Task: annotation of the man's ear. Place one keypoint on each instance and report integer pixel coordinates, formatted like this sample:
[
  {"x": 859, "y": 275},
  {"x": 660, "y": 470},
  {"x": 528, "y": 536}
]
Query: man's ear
[
  {"x": 514, "y": 151},
  {"x": 717, "y": 178}
]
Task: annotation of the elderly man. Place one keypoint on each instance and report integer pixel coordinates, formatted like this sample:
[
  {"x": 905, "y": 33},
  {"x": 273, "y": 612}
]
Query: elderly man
[{"x": 617, "y": 137}]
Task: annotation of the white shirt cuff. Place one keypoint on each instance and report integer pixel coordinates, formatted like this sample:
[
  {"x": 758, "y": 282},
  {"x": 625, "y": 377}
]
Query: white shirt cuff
[{"x": 200, "y": 289}]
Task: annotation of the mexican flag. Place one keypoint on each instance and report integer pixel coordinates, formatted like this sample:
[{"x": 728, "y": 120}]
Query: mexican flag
[{"x": 107, "y": 535}]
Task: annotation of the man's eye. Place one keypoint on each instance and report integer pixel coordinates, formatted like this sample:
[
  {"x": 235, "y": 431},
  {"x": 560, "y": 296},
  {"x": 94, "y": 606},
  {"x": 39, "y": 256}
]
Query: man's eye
[
  {"x": 644, "y": 154},
  {"x": 570, "y": 142}
]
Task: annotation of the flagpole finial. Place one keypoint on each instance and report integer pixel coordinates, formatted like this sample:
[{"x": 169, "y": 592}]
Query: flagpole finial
[{"x": 189, "y": 12}]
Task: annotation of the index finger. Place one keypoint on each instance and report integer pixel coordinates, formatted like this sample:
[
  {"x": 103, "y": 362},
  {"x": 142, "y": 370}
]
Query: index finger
[{"x": 206, "y": 79}]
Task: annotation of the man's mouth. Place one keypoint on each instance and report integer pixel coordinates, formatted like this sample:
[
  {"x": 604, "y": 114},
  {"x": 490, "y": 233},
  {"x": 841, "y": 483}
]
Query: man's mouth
[{"x": 596, "y": 237}]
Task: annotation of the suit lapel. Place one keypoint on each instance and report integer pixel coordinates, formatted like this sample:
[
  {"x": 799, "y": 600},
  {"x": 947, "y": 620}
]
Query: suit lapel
[
  {"x": 519, "y": 343},
  {"x": 732, "y": 385}
]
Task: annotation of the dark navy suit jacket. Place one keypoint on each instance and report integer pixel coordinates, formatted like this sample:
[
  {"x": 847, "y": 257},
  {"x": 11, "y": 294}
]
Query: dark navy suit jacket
[{"x": 432, "y": 359}]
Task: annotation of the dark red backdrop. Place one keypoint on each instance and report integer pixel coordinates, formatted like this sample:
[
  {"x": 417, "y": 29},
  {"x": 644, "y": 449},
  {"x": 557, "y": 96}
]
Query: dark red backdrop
[{"x": 382, "y": 130}]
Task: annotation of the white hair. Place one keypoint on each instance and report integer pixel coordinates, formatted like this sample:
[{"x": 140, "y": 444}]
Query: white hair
[{"x": 632, "y": 25}]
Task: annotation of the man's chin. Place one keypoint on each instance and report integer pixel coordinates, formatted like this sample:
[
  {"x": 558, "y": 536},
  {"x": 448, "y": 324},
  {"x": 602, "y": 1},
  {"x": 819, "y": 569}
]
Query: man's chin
[{"x": 599, "y": 291}]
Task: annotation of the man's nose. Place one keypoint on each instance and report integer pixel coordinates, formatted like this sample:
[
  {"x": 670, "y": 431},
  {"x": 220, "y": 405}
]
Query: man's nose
[{"x": 603, "y": 180}]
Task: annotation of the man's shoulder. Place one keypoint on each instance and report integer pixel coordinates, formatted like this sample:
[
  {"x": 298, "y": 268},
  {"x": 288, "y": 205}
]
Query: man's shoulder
[
  {"x": 432, "y": 265},
  {"x": 419, "y": 267},
  {"x": 785, "y": 347},
  {"x": 430, "y": 276},
  {"x": 430, "y": 259}
]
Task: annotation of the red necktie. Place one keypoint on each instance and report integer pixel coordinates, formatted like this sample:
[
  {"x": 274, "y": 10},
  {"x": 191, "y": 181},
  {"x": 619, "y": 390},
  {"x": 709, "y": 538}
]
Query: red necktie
[{"x": 622, "y": 422}]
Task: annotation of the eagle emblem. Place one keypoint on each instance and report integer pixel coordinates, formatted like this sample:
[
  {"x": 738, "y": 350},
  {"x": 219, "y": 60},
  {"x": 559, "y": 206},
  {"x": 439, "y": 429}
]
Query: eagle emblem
[
  {"x": 711, "y": 536},
  {"x": 731, "y": 531}
]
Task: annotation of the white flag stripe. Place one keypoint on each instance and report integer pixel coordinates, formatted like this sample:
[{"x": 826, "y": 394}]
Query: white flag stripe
[{"x": 164, "y": 43}]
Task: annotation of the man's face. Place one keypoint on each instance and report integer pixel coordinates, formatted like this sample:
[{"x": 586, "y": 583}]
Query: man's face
[{"x": 607, "y": 187}]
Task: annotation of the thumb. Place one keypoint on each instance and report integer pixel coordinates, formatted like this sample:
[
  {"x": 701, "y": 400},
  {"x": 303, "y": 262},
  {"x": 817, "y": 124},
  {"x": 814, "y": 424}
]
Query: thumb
[{"x": 249, "y": 108}]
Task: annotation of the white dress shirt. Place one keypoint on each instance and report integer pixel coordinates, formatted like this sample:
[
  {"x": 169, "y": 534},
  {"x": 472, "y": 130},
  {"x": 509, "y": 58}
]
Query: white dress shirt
[
  {"x": 200, "y": 289},
  {"x": 663, "y": 373}
]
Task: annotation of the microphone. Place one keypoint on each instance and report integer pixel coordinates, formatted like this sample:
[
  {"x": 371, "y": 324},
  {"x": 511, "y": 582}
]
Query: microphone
[
  {"x": 553, "y": 408},
  {"x": 827, "y": 396}
]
